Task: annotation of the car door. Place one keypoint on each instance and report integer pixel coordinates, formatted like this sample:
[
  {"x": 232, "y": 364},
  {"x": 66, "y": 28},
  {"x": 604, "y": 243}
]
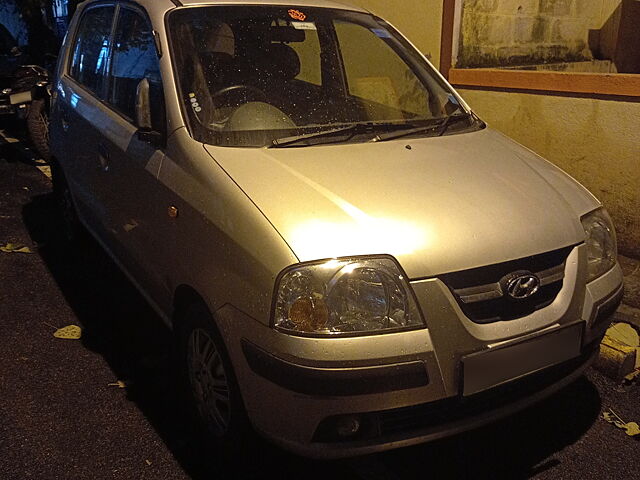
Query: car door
[
  {"x": 130, "y": 179},
  {"x": 79, "y": 114}
]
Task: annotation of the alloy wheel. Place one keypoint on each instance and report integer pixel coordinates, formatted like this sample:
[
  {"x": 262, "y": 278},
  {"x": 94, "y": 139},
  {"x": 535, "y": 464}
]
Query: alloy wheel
[{"x": 208, "y": 381}]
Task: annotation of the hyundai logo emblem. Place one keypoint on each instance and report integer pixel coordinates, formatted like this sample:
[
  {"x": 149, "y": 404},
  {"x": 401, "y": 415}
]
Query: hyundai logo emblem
[{"x": 519, "y": 285}]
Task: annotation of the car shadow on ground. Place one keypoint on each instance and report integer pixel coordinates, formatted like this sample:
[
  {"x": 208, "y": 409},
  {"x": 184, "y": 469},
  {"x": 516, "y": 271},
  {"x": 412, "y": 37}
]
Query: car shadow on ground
[
  {"x": 120, "y": 326},
  {"x": 520, "y": 446}
]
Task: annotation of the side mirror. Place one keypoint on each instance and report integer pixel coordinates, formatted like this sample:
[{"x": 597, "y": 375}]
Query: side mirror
[
  {"x": 16, "y": 51},
  {"x": 143, "y": 115}
]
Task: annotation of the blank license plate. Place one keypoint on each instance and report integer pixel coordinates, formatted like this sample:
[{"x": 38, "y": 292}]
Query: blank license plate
[{"x": 493, "y": 367}]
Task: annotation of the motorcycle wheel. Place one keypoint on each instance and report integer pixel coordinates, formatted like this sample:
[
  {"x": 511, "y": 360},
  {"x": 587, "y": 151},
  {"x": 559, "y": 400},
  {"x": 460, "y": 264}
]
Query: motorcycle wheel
[{"x": 38, "y": 127}]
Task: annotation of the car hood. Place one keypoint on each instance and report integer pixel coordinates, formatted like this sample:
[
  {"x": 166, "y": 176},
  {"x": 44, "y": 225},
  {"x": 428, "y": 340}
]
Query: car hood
[{"x": 436, "y": 204}]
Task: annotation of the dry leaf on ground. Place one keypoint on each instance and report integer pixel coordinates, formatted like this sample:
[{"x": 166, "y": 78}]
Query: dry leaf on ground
[
  {"x": 635, "y": 374},
  {"x": 70, "y": 332},
  {"x": 14, "y": 248},
  {"x": 630, "y": 428},
  {"x": 120, "y": 384}
]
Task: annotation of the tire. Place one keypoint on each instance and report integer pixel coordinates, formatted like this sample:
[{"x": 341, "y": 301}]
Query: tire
[
  {"x": 38, "y": 127},
  {"x": 72, "y": 230},
  {"x": 210, "y": 384}
]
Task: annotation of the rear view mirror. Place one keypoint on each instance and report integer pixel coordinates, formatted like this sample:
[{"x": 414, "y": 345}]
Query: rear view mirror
[
  {"x": 143, "y": 115},
  {"x": 286, "y": 34}
]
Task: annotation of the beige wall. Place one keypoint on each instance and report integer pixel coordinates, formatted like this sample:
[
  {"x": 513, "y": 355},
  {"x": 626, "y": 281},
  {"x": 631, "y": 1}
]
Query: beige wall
[
  {"x": 419, "y": 20},
  {"x": 596, "y": 141}
]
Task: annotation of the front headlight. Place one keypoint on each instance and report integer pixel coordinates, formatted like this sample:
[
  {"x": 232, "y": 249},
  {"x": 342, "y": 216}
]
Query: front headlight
[
  {"x": 345, "y": 297},
  {"x": 600, "y": 239}
]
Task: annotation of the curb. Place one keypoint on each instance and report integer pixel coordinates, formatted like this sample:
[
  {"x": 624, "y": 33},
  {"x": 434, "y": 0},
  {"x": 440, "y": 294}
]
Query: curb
[{"x": 618, "y": 359}]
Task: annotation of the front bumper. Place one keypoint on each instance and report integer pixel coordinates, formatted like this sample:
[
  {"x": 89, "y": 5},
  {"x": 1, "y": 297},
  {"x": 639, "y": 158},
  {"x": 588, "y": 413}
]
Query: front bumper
[
  {"x": 401, "y": 427},
  {"x": 407, "y": 388}
]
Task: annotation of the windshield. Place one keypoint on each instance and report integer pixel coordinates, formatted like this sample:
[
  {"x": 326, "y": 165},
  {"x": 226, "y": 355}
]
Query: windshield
[{"x": 251, "y": 75}]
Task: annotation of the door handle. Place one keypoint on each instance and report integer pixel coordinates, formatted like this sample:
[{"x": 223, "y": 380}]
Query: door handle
[
  {"x": 64, "y": 119},
  {"x": 104, "y": 156}
]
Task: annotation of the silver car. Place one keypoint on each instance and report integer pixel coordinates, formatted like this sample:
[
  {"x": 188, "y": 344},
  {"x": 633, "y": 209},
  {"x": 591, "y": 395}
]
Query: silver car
[{"x": 351, "y": 260}]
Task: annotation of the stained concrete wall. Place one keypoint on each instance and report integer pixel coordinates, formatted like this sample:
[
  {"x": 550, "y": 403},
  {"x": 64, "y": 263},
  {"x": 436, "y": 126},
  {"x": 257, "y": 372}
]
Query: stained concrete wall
[
  {"x": 524, "y": 32},
  {"x": 419, "y": 20},
  {"x": 596, "y": 141}
]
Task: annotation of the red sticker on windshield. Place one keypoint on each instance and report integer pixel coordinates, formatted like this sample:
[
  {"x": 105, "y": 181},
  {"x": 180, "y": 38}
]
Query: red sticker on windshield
[{"x": 297, "y": 15}]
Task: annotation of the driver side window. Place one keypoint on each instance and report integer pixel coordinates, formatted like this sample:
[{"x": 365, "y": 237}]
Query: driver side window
[
  {"x": 135, "y": 58},
  {"x": 91, "y": 49}
]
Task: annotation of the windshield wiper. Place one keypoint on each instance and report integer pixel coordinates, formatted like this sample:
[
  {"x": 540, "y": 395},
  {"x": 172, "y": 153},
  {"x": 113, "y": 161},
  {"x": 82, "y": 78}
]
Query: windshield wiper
[
  {"x": 452, "y": 118},
  {"x": 286, "y": 141},
  {"x": 440, "y": 127},
  {"x": 349, "y": 130}
]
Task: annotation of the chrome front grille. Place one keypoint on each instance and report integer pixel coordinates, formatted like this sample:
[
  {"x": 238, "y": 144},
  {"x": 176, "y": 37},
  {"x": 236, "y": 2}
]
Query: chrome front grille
[{"x": 481, "y": 294}]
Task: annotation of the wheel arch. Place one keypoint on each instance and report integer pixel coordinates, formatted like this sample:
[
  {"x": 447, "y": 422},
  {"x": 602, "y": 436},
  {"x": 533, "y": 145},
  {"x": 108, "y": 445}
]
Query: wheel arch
[
  {"x": 184, "y": 296},
  {"x": 191, "y": 310}
]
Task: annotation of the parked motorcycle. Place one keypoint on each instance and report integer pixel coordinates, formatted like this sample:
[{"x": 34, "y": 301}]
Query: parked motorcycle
[
  {"x": 27, "y": 97},
  {"x": 25, "y": 89}
]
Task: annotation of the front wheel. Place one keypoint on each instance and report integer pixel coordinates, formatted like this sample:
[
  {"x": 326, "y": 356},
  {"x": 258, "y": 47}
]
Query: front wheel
[
  {"x": 38, "y": 127},
  {"x": 209, "y": 379}
]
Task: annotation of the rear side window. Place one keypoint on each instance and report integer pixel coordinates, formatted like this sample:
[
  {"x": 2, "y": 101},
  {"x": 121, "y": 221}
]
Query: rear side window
[
  {"x": 134, "y": 58},
  {"x": 91, "y": 48}
]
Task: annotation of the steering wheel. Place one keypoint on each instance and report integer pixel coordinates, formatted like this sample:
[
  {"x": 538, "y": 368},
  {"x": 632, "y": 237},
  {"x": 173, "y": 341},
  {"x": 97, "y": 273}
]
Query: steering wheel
[{"x": 232, "y": 88}]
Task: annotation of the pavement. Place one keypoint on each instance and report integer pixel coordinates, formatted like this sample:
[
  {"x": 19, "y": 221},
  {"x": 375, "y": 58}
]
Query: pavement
[{"x": 104, "y": 406}]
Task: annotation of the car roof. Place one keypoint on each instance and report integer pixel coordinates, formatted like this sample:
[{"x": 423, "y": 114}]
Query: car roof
[{"x": 164, "y": 4}]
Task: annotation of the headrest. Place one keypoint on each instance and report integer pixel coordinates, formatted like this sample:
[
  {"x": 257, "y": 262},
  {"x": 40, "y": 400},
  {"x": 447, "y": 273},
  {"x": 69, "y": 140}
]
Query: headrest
[
  {"x": 216, "y": 60},
  {"x": 284, "y": 61},
  {"x": 274, "y": 61},
  {"x": 219, "y": 38}
]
